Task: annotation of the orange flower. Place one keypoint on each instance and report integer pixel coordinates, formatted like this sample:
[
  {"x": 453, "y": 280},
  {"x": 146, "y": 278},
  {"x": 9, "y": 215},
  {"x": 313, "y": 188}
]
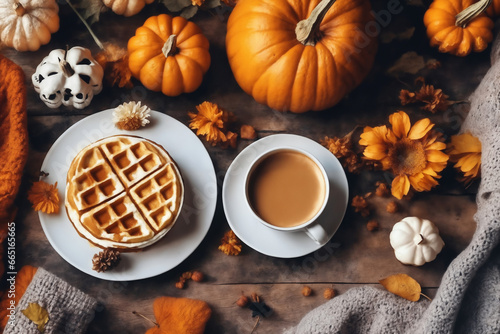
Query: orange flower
[
  {"x": 413, "y": 153},
  {"x": 114, "y": 61},
  {"x": 210, "y": 122},
  {"x": 44, "y": 197},
  {"x": 434, "y": 99},
  {"x": 465, "y": 151},
  {"x": 230, "y": 244}
]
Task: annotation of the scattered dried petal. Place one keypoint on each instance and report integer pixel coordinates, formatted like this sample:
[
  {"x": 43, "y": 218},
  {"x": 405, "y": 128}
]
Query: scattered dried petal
[
  {"x": 392, "y": 207},
  {"x": 180, "y": 285},
  {"x": 243, "y": 301},
  {"x": 360, "y": 205},
  {"x": 230, "y": 244},
  {"x": 406, "y": 97},
  {"x": 248, "y": 132},
  {"x": 382, "y": 189},
  {"x": 343, "y": 150},
  {"x": 114, "y": 61},
  {"x": 255, "y": 297},
  {"x": 44, "y": 197},
  {"x": 372, "y": 225},
  {"x": 433, "y": 64}
]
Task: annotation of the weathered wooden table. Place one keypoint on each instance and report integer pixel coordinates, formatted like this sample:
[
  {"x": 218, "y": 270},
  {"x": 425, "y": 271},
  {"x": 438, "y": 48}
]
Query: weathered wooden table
[{"x": 352, "y": 258}]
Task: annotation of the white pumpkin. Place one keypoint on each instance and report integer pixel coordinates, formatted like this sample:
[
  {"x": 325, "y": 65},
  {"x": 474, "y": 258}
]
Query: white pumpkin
[
  {"x": 70, "y": 77},
  {"x": 28, "y": 24},
  {"x": 416, "y": 241},
  {"x": 126, "y": 7}
]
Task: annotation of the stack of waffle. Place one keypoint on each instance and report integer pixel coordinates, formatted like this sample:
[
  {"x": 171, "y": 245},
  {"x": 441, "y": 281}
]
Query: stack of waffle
[{"x": 123, "y": 192}]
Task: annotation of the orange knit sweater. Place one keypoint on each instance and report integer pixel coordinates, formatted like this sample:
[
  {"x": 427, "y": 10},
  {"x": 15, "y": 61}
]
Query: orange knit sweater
[{"x": 13, "y": 136}]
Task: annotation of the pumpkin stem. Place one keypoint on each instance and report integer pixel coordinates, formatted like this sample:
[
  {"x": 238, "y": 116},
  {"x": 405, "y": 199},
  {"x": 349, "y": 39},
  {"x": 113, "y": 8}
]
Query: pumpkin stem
[
  {"x": 419, "y": 239},
  {"x": 19, "y": 9},
  {"x": 170, "y": 46},
  {"x": 471, "y": 12},
  {"x": 307, "y": 31},
  {"x": 65, "y": 66},
  {"x": 144, "y": 317}
]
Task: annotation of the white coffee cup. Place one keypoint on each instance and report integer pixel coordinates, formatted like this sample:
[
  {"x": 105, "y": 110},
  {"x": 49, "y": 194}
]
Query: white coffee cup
[{"x": 277, "y": 188}]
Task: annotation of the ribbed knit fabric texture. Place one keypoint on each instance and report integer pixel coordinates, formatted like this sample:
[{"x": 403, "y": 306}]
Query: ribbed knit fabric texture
[
  {"x": 13, "y": 135},
  {"x": 468, "y": 299},
  {"x": 70, "y": 310}
]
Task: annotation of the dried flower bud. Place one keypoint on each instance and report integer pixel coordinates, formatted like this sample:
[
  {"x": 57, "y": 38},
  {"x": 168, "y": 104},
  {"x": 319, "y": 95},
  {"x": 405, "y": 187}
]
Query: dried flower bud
[
  {"x": 392, "y": 207},
  {"x": 329, "y": 293},
  {"x": 382, "y": 189},
  {"x": 372, "y": 225},
  {"x": 197, "y": 276},
  {"x": 185, "y": 276},
  {"x": 180, "y": 284},
  {"x": 360, "y": 205},
  {"x": 306, "y": 291},
  {"x": 242, "y": 301}
]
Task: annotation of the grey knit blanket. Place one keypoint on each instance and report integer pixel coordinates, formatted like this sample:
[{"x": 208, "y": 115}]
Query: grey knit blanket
[
  {"x": 468, "y": 299},
  {"x": 70, "y": 310}
]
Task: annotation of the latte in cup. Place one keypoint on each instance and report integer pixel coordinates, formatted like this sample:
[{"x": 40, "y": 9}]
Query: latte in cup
[{"x": 286, "y": 188}]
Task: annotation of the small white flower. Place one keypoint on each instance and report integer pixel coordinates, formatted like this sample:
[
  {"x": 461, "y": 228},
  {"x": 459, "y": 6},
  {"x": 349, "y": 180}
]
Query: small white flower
[{"x": 131, "y": 116}]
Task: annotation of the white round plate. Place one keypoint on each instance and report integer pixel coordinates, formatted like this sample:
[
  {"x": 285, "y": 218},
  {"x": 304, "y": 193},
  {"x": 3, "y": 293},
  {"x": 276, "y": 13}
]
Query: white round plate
[
  {"x": 192, "y": 225},
  {"x": 267, "y": 240}
]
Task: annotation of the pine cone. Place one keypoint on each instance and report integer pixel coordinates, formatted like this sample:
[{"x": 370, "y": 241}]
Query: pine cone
[{"x": 105, "y": 260}]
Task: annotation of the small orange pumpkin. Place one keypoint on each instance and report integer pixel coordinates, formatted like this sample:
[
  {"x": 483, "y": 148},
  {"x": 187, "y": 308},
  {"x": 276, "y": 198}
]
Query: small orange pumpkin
[
  {"x": 455, "y": 37},
  {"x": 300, "y": 55},
  {"x": 169, "y": 55},
  {"x": 126, "y": 7}
]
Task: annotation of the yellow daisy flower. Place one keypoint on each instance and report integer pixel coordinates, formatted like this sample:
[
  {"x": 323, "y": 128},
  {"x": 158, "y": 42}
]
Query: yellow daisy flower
[
  {"x": 465, "y": 152},
  {"x": 413, "y": 153}
]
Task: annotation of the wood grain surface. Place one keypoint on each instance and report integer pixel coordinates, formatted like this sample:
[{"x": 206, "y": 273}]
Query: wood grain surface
[{"x": 354, "y": 256}]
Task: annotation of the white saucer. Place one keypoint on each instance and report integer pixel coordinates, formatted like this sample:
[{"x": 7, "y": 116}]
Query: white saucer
[
  {"x": 264, "y": 239},
  {"x": 195, "y": 218}
]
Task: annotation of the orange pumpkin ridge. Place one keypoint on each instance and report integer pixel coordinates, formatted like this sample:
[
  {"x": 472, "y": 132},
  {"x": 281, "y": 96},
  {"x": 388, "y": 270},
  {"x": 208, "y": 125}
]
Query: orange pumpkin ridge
[
  {"x": 272, "y": 65},
  {"x": 178, "y": 72}
]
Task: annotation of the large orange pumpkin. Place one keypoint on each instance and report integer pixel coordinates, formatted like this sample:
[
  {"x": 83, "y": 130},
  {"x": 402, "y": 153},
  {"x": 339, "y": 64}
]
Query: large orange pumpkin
[
  {"x": 169, "y": 55},
  {"x": 452, "y": 36},
  {"x": 334, "y": 54}
]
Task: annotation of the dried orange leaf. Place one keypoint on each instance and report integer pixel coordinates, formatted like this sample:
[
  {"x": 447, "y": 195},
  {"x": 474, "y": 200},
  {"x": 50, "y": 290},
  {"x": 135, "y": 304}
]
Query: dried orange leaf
[
  {"x": 403, "y": 286},
  {"x": 37, "y": 314},
  {"x": 410, "y": 62},
  {"x": 247, "y": 132}
]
